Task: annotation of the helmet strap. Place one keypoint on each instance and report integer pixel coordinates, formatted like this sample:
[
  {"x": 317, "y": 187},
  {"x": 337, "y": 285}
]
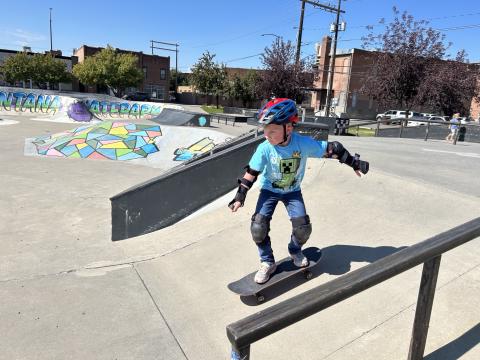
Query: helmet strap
[{"x": 285, "y": 137}]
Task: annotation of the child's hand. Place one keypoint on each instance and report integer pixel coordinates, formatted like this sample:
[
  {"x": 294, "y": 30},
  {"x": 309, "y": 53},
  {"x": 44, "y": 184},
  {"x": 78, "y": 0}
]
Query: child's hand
[
  {"x": 235, "y": 206},
  {"x": 330, "y": 152}
]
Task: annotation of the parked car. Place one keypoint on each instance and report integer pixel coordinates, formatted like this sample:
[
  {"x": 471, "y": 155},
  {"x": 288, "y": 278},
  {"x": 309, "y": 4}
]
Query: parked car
[
  {"x": 465, "y": 120},
  {"x": 390, "y": 114},
  {"x": 137, "y": 96},
  {"x": 397, "y": 115},
  {"x": 421, "y": 123}
]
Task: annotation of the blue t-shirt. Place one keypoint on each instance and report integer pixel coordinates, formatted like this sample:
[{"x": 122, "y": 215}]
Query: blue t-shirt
[
  {"x": 454, "y": 123},
  {"x": 283, "y": 167}
]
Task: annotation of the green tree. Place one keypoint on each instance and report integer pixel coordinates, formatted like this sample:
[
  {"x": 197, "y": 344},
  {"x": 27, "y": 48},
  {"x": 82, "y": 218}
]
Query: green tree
[
  {"x": 42, "y": 69},
  {"x": 244, "y": 88},
  {"x": 17, "y": 68},
  {"x": 250, "y": 82},
  {"x": 48, "y": 70},
  {"x": 450, "y": 85},
  {"x": 282, "y": 76},
  {"x": 183, "y": 79},
  {"x": 88, "y": 72},
  {"x": 209, "y": 77},
  {"x": 110, "y": 68},
  {"x": 406, "y": 50}
]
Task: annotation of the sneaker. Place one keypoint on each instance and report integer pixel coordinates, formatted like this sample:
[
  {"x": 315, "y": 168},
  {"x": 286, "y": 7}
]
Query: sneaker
[
  {"x": 266, "y": 269},
  {"x": 299, "y": 260}
]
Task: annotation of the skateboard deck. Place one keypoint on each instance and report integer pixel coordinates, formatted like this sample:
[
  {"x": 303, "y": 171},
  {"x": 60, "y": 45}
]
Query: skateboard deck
[{"x": 246, "y": 286}]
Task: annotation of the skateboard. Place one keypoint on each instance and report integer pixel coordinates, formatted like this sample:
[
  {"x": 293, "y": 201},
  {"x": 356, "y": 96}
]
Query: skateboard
[{"x": 246, "y": 286}]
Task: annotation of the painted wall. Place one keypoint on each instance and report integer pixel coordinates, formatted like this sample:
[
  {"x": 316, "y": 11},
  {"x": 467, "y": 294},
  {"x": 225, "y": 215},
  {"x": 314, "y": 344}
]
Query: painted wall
[{"x": 76, "y": 107}]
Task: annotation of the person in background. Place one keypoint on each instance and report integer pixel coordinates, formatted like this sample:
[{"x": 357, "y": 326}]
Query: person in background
[{"x": 453, "y": 127}]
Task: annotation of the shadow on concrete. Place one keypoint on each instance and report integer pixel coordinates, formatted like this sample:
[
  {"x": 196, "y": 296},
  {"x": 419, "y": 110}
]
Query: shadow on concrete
[
  {"x": 458, "y": 347},
  {"x": 336, "y": 260}
]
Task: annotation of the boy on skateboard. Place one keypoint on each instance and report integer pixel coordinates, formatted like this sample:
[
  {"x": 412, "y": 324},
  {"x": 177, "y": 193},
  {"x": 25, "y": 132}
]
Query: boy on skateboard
[{"x": 281, "y": 159}]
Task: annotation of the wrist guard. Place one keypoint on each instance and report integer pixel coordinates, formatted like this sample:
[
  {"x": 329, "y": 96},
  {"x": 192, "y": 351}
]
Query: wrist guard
[
  {"x": 336, "y": 148},
  {"x": 241, "y": 192}
]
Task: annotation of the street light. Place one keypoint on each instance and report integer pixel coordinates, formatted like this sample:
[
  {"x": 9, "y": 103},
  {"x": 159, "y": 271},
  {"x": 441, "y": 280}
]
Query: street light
[
  {"x": 278, "y": 37},
  {"x": 51, "y": 44}
]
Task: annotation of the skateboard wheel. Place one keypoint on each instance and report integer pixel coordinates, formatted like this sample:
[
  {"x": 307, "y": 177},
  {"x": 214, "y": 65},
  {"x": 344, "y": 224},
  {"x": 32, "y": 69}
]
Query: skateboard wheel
[
  {"x": 308, "y": 275},
  {"x": 260, "y": 298}
]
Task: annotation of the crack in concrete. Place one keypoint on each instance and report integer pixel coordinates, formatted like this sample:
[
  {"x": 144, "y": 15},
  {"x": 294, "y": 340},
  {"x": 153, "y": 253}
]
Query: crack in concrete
[
  {"x": 160, "y": 312},
  {"x": 113, "y": 265}
]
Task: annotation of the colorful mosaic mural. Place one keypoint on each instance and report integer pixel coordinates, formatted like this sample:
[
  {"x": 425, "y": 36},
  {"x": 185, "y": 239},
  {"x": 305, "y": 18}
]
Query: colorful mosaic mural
[
  {"x": 202, "y": 146},
  {"x": 107, "y": 140}
]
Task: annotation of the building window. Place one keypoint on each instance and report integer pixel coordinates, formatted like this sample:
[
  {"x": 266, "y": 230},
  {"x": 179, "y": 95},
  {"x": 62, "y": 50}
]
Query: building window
[
  {"x": 163, "y": 74},
  {"x": 144, "y": 72},
  {"x": 155, "y": 91}
]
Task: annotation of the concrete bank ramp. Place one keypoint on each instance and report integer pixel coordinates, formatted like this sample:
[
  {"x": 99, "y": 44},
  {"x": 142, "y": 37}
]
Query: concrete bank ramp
[
  {"x": 172, "y": 196},
  {"x": 180, "y": 117}
]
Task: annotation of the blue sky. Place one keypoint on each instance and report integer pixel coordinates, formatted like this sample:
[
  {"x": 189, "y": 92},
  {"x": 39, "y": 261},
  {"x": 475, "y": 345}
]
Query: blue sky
[{"x": 230, "y": 29}]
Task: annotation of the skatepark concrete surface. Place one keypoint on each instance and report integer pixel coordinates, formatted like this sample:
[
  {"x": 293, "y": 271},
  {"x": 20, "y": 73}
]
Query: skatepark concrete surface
[{"x": 68, "y": 292}]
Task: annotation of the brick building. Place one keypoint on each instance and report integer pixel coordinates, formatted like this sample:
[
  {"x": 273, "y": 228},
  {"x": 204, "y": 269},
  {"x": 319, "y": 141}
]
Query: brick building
[
  {"x": 156, "y": 70},
  {"x": 69, "y": 61},
  {"x": 351, "y": 67}
]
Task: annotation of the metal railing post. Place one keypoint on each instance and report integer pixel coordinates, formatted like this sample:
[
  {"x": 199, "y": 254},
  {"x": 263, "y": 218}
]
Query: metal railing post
[
  {"x": 250, "y": 329},
  {"x": 401, "y": 129},
  {"x": 240, "y": 354},
  {"x": 424, "y": 308},
  {"x": 426, "y": 131}
]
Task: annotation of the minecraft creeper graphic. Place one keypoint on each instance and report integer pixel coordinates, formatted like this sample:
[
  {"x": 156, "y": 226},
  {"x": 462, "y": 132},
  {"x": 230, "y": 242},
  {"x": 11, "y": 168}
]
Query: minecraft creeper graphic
[{"x": 288, "y": 169}]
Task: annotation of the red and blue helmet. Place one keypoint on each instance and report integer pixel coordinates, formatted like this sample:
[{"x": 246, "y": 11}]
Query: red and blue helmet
[{"x": 278, "y": 111}]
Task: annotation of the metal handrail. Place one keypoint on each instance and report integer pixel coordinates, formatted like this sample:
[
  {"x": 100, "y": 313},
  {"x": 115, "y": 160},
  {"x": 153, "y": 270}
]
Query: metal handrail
[
  {"x": 262, "y": 324},
  {"x": 371, "y": 122},
  {"x": 403, "y": 122}
]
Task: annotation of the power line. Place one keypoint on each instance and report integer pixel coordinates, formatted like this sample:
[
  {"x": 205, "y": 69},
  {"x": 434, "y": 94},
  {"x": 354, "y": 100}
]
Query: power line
[
  {"x": 286, "y": 20},
  {"x": 461, "y": 27},
  {"x": 428, "y": 19},
  {"x": 243, "y": 58}
]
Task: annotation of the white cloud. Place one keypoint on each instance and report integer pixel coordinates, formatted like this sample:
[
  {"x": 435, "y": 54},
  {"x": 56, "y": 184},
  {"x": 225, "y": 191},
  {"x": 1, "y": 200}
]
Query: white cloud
[{"x": 23, "y": 37}]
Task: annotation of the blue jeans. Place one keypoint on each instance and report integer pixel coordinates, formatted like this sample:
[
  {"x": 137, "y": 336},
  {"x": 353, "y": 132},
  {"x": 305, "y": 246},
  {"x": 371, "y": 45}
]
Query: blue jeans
[{"x": 266, "y": 204}]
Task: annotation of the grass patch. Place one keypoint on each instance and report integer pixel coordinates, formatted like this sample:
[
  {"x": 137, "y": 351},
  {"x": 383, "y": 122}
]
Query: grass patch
[
  {"x": 361, "y": 131},
  {"x": 212, "y": 109}
]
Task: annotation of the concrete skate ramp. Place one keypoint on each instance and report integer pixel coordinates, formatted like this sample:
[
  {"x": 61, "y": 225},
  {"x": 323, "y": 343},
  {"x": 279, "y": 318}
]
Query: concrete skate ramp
[
  {"x": 164, "y": 200},
  {"x": 171, "y": 197},
  {"x": 180, "y": 118}
]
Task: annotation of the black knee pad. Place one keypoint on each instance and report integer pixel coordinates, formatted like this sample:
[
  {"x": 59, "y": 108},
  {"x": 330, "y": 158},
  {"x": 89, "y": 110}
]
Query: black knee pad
[
  {"x": 259, "y": 228},
  {"x": 301, "y": 229}
]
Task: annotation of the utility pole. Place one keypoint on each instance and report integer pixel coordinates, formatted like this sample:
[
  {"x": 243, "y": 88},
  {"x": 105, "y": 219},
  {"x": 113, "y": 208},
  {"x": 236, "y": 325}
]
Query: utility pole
[
  {"x": 300, "y": 26},
  {"x": 51, "y": 43},
  {"x": 176, "y": 57},
  {"x": 331, "y": 67},
  {"x": 299, "y": 35},
  {"x": 331, "y": 9}
]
